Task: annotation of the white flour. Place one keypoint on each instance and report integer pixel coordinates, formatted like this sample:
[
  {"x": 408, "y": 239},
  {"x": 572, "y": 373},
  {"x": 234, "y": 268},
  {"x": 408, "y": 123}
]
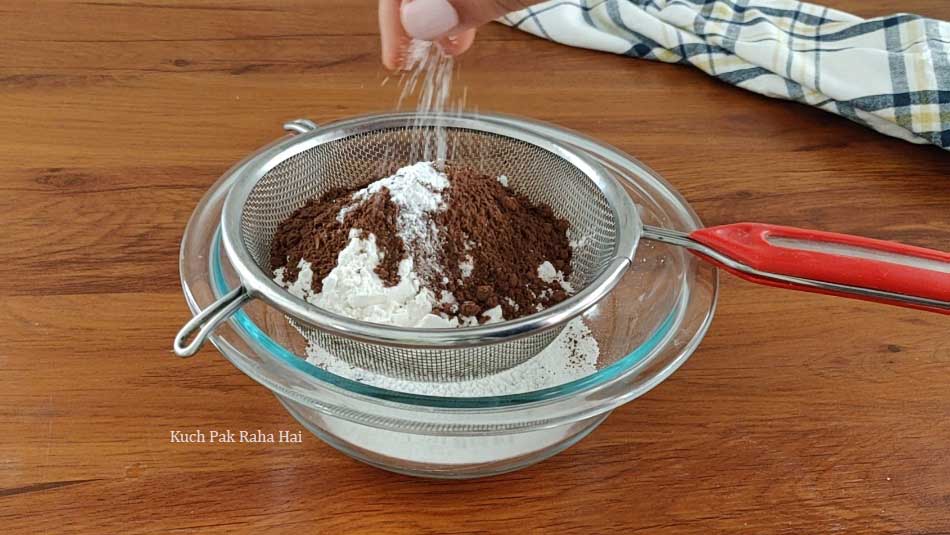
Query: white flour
[
  {"x": 571, "y": 356},
  {"x": 417, "y": 191},
  {"x": 548, "y": 273},
  {"x": 353, "y": 289},
  {"x": 467, "y": 266}
]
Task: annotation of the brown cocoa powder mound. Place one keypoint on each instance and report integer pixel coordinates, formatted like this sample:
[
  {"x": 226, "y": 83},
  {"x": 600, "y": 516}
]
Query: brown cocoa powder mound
[
  {"x": 314, "y": 234},
  {"x": 510, "y": 237}
]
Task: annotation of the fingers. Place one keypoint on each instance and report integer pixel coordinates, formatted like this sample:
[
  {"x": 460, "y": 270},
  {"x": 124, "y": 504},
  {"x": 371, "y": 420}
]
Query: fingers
[
  {"x": 458, "y": 43},
  {"x": 394, "y": 38},
  {"x": 451, "y": 23},
  {"x": 434, "y": 19}
]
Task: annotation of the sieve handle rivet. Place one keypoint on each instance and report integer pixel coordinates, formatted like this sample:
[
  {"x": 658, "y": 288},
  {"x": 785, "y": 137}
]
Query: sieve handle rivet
[
  {"x": 300, "y": 126},
  {"x": 207, "y": 320}
]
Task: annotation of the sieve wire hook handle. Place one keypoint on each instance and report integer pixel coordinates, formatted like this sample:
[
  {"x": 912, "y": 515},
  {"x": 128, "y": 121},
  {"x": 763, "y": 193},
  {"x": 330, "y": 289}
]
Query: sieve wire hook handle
[
  {"x": 300, "y": 126},
  {"x": 207, "y": 320}
]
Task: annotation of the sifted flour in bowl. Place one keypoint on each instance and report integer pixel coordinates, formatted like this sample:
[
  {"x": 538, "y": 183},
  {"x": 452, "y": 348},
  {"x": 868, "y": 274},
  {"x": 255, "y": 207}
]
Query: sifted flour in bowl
[{"x": 573, "y": 355}]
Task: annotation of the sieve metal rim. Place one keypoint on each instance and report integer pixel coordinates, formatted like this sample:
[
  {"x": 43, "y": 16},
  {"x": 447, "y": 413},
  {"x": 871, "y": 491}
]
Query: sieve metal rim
[{"x": 257, "y": 284}]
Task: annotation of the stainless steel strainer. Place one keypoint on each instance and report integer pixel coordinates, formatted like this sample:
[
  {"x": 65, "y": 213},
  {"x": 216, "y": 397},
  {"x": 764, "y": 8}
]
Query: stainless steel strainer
[
  {"x": 280, "y": 179},
  {"x": 273, "y": 183}
]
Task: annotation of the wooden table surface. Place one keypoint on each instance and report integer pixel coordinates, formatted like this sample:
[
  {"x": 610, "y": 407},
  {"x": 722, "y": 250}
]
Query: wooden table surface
[{"x": 798, "y": 414}]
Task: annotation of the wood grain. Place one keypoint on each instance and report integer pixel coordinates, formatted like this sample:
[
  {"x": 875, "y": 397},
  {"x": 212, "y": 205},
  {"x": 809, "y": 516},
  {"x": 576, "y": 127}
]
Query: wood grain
[{"x": 798, "y": 414}]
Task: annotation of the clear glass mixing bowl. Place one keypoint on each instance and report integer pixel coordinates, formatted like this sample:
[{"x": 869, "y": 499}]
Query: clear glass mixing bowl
[{"x": 646, "y": 328}]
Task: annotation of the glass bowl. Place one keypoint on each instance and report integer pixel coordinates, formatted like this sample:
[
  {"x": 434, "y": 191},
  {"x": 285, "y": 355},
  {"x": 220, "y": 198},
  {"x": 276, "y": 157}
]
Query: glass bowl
[{"x": 646, "y": 328}]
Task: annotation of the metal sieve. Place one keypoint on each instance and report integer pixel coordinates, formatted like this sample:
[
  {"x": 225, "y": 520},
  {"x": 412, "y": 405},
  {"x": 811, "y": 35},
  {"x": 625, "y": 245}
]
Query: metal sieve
[{"x": 274, "y": 182}]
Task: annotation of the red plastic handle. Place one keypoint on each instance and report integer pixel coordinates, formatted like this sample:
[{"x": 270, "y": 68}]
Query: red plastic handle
[{"x": 833, "y": 258}]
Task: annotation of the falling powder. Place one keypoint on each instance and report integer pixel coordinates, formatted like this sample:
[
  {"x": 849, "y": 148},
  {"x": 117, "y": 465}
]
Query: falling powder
[{"x": 430, "y": 69}]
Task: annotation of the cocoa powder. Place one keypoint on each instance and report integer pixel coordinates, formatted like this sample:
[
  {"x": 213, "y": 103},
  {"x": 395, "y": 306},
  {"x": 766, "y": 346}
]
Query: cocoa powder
[
  {"x": 499, "y": 233},
  {"x": 507, "y": 237},
  {"x": 313, "y": 233}
]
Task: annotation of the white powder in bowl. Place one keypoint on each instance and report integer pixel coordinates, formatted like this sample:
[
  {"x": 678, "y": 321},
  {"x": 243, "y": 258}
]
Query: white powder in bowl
[{"x": 572, "y": 355}]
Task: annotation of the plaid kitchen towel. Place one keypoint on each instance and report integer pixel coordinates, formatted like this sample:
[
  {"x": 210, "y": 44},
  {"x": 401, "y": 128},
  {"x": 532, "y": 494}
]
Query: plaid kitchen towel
[{"x": 890, "y": 73}]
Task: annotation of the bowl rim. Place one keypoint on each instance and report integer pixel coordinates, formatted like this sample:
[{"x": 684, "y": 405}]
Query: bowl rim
[{"x": 250, "y": 331}]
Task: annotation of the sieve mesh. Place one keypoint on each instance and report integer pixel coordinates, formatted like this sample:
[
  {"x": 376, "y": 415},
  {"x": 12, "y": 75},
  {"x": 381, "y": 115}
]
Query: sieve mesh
[
  {"x": 423, "y": 364},
  {"x": 541, "y": 175}
]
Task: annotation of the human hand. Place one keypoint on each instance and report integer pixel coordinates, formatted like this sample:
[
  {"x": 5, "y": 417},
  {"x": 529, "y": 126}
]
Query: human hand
[{"x": 451, "y": 23}]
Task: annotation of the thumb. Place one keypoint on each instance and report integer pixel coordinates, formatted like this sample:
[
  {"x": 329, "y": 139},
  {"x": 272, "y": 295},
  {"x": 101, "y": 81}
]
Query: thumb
[{"x": 431, "y": 19}]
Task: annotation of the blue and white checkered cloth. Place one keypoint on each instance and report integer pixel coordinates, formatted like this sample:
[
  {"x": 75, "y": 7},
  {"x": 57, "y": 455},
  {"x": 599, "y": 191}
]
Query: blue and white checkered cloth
[{"x": 891, "y": 74}]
